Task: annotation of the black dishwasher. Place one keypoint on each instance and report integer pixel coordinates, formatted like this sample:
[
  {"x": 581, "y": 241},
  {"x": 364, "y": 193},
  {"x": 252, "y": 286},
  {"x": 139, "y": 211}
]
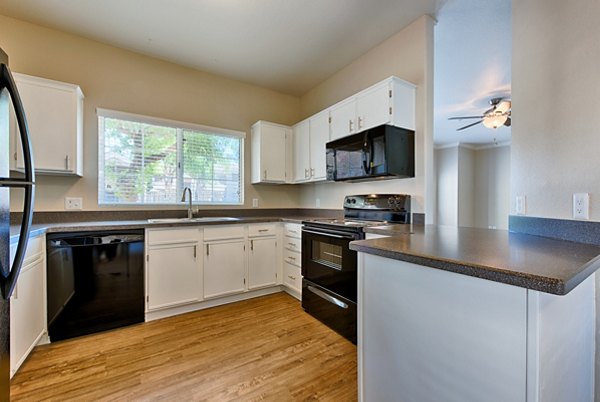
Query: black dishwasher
[{"x": 95, "y": 282}]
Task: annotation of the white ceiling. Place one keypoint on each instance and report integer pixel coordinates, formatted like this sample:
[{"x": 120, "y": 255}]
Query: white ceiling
[
  {"x": 287, "y": 45},
  {"x": 472, "y": 65}
]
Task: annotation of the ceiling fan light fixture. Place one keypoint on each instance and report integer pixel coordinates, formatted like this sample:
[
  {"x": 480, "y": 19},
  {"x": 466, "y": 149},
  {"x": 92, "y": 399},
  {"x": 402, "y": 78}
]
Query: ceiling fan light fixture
[{"x": 494, "y": 120}]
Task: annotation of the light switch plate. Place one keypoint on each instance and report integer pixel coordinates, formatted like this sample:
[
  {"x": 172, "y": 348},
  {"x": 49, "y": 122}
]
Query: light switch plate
[
  {"x": 255, "y": 203},
  {"x": 73, "y": 203}
]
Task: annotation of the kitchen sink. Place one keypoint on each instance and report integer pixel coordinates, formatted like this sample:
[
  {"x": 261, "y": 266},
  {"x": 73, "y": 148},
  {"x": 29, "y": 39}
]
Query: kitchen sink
[{"x": 203, "y": 219}]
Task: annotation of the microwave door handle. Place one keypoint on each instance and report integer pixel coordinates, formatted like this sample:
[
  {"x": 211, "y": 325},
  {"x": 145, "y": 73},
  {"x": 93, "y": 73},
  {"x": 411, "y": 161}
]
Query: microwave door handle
[
  {"x": 8, "y": 280},
  {"x": 367, "y": 153}
]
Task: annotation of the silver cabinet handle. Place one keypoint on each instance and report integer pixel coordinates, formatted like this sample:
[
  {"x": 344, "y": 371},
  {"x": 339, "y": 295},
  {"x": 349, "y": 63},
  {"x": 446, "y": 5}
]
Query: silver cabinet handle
[
  {"x": 292, "y": 258},
  {"x": 312, "y": 172},
  {"x": 360, "y": 122},
  {"x": 350, "y": 124},
  {"x": 252, "y": 245},
  {"x": 292, "y": 277},
  {"x": 195, "y": 251},
  {"x": 263, "y": 230},
  {"x": 265, "y": 174},
  {"x": 207, "y": 249},
  {"x": 67, "y": 162},
  {"x": 325, "y": 296},
  {"x": 292, "y": 244},
  {"x": 306, "y": 176}
]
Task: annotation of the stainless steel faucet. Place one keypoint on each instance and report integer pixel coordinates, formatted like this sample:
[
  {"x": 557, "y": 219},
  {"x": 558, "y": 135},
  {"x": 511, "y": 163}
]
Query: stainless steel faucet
[{"x": 187, "y": 189}]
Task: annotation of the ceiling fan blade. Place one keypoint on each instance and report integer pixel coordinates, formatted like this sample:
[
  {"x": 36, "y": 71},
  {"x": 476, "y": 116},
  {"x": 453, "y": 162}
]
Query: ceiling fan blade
[
  {"x": 470, "y": 125},
  {"x": 465, "y": 117}
]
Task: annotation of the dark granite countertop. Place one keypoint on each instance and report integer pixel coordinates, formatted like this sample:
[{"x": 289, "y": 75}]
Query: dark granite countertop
[
  {"x": 532, "y": 262},
  {"x": 63, "y": 227}
]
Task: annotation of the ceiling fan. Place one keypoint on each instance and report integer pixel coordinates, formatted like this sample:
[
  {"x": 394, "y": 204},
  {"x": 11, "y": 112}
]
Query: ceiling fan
[{"x": 496, "y": 116}]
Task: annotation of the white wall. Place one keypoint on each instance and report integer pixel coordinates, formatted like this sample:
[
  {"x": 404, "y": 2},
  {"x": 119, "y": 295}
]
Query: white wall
[
  {"x": 446, "y": 163},
  {"x": 408, "y": 55},
  {"x": 473, "y": 186}
]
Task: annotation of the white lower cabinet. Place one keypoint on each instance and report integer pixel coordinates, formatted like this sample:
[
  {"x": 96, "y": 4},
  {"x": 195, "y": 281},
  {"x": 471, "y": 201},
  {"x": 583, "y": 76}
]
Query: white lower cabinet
[
  {"x": 194, "y": 267},
  {"x": 292, "y": 259},
  {"x": 173, "y": 268},
  {"x": 224, "y": 267},
  {"x": 262, "y": 262},
  {"x": 28, "y": 304}
]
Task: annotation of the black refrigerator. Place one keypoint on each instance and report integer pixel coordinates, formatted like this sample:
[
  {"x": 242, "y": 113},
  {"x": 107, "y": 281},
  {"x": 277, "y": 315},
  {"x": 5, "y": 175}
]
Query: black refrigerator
[{"x": 25, "y": 182}]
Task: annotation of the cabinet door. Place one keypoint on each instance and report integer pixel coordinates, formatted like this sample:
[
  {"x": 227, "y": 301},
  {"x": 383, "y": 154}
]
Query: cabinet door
[
  {"x": 302, "y": 151},
  {"x": 27, "y": 312},
  {"x": 173, "y": 275},
  {"x": 273, "y": 153},
  {"x": 373, "y": 107},
  {"x": 319, "y": 136},
  {"x": 262, "y": 264},
  {"x": 343, "y": 119},
  {"x": 224, "y": 268},
  {"x": 53, "y": 119}
]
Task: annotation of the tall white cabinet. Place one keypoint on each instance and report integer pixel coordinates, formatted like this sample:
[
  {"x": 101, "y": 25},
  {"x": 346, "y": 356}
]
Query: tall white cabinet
[{"x": 55, "y": 120}]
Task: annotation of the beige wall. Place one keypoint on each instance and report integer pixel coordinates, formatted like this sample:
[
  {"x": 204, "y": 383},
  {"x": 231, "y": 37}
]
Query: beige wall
[
  {"x": 446, "y": 163},
  {"x": 491, "y": 191},
  {"x": 466, "y": 187},
  {"x": 556, "y": 91},
  {"x": 556, "y": 87},
  {"x": 117, "y": 79},
  {"x": 407, "y": 55}
]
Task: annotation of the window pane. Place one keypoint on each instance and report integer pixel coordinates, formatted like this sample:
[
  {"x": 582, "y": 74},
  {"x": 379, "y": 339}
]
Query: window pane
[
  {"x": 142, "y": 163},
  {"x": 211, "y": 167}
]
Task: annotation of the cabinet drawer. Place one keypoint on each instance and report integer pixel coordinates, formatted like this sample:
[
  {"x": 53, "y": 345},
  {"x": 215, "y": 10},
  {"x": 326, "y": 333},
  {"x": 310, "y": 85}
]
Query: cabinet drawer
[
  {"x": 223, "y": 232},
  {"x": 267, "y": 229},
  {"x": 292, "y": 243},
  {"x": 166, "y": 236},
  {"x": 292, "y": 257},
  {"x": 293, "y": 230},
  {"x": 292, "y": 276}
]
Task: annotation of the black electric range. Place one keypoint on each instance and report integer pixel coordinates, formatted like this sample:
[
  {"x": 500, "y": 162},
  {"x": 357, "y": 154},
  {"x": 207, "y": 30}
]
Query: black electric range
[{"x": 329, "y": 284}]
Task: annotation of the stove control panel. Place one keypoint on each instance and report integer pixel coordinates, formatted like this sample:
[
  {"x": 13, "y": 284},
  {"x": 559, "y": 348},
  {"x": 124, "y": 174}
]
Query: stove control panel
[{"x": 393, "y": 202}]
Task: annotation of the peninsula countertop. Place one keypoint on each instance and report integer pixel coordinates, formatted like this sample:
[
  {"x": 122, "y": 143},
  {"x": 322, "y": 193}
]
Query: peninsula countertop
[{"x": 532, "y": 262}]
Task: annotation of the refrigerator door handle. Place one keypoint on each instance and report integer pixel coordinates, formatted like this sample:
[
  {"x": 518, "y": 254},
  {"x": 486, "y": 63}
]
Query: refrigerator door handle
[{"x": 8, "y": 280}]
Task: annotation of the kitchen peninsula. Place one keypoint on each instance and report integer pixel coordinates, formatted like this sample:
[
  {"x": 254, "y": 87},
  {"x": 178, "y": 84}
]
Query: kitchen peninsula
[{"x": 464, "y": 314}]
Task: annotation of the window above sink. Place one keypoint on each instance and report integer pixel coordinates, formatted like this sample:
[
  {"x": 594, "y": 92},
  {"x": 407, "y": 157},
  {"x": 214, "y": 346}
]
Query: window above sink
[{"x": 144, "y": 160}]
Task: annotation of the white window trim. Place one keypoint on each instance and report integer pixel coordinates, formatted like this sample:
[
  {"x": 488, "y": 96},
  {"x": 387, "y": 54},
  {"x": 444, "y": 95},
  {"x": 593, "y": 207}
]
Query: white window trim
[{"x": 115, "y": 114}]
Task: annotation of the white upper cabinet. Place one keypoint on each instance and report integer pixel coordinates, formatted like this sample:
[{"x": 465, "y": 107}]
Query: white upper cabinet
[
  {"x": 271, "y": 156},
  {"x": 343, "y": 117},
  {"x": 310, "y": 139},
  {"x": 54, "y": 113},
  {"x": 302, "y": 151},
  {"x": 391, "y": 101},
  {"x": 319, "y": 136}
]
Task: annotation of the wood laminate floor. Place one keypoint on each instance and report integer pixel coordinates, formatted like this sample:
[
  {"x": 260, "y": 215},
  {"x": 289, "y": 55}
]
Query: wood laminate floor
[{"x": 264, "y": 349}]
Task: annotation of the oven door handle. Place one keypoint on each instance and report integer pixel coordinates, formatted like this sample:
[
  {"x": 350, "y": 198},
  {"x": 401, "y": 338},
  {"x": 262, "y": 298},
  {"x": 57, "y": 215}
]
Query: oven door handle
[
  {"x": 325, "y": 296},
  {"x": 329, "y": 234}
]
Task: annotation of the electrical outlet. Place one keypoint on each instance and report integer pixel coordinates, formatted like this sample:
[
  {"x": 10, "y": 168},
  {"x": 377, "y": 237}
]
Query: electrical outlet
[
  {"x": 581, "y": 206},
  {"x": 255, "y": 203},
  {"x": 520, "y": 205},
  {"x": 73, "y": 203}
]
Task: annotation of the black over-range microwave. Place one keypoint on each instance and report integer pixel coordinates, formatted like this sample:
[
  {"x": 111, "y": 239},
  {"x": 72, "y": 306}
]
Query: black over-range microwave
[{"x": 381, "y": 152}]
